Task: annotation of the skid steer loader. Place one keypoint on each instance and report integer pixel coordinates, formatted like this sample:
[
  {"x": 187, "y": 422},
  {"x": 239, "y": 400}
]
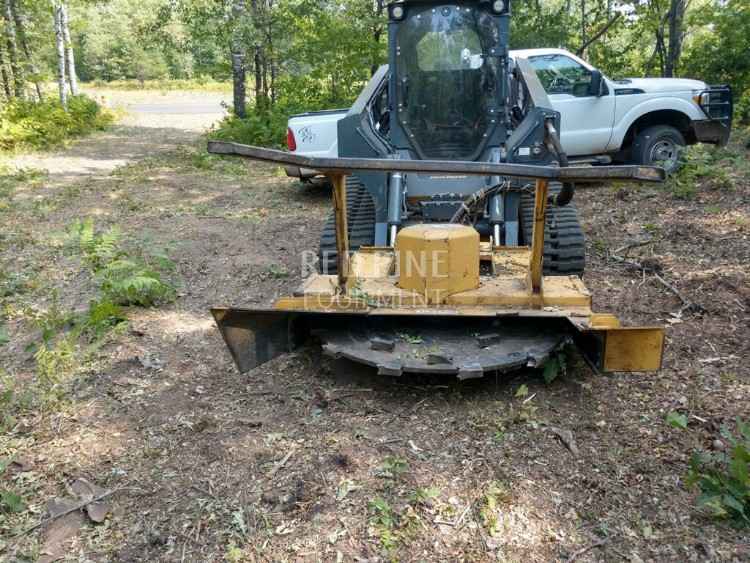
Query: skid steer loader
[{"x": 454, "y": 246}]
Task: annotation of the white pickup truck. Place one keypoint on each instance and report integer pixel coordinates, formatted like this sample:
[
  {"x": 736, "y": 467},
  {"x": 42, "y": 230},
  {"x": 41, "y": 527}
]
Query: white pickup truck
[{"x": 634, "y": 120}]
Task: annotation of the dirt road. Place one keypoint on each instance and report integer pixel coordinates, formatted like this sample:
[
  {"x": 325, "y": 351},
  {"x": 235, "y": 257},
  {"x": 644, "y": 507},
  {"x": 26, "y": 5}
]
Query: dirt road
[
  {"x": 307, "y": 459},
  {"x": 151, "y": 123}
]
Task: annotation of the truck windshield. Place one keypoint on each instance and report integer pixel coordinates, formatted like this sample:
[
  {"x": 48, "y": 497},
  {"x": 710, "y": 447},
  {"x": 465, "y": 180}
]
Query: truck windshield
[{"x": 447, "y": 82}]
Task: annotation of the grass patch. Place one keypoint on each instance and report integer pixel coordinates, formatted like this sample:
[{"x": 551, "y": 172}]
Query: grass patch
[
  {"x": 12, "y": 179},
  {"x": 202, "y": 84},
  {"x": 66, "y": 342},
  {"x": 41, "y": 125}
]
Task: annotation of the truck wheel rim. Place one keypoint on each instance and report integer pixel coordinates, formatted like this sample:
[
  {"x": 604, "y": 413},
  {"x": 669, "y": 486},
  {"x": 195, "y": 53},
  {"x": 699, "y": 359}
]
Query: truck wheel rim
[{"x": 664, "y": 153}]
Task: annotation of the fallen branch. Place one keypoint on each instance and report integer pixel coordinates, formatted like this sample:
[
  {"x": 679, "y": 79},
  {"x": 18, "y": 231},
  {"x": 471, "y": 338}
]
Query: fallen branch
[
  {"x": 79, "y": 506},
  {"x": 586, "y": 549},
  {"x": 281, "y": 464},
  {"x": 633, "y": 245}
]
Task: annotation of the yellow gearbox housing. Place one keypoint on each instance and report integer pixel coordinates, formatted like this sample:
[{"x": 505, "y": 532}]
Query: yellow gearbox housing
[{"x": 438, "y": 259}]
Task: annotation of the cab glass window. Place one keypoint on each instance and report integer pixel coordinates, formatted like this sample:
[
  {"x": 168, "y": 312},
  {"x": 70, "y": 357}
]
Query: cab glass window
[{"x": 562, "y": 75}]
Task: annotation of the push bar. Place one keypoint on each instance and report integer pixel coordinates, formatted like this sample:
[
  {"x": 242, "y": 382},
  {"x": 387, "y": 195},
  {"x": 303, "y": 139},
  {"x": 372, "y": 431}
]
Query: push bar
[{"x": 347, "y": 165}]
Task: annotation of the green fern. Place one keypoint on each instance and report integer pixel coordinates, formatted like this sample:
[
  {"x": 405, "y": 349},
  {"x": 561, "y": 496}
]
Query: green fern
[
  {"x": 128, "y": 282},
  {"x": 126, "y": 277}
]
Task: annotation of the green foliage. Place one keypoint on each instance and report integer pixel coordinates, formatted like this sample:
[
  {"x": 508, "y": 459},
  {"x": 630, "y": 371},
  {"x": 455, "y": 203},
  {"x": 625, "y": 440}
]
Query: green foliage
[
  {"x": 717, "y": 52},
  {"x": 201, "y": 83},
  {"x": 742, "y": 108},
  {"x": 97, "y": 249},
  {"x": 125, "y": 276},
  {"x": 495, "y": 495},
  {"x": 132, "y": 282},
  {"x": 392, "y": 467},
  {"x": 9, "y": 501},
  {"x": 724, "y": 478},
  {"x": 707, "y": 167},
  {"x": 425, "y": 495},
  {"x": 554, "y": 367},
  {"x": 677, "y": 420},
  {"x": 40, "y": 125},
  {"x": 266, "y": 129},
  {"x": 383, "y": 521}
]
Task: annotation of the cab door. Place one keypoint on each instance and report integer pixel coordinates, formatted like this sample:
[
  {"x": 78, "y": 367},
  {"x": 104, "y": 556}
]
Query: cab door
[{"x": 587, "y": 118}]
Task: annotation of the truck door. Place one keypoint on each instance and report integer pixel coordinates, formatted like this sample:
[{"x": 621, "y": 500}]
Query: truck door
[{"x": 587, "y": 119}]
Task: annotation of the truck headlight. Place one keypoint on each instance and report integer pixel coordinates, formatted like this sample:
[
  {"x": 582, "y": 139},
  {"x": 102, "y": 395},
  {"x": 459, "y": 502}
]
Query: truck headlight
[
  {"x": 396, "y": 12},
  {"x": 498, "y": 6},
  {"x": 702, "y": 98}
]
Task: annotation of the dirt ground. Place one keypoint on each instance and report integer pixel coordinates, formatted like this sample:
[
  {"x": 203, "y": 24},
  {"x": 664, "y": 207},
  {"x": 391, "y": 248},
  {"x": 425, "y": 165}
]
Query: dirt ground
[{"x": 310, "y": 459}]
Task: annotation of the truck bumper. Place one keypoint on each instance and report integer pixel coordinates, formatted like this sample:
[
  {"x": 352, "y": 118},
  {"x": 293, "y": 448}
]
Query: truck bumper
[{"x": 711, "y": 131}]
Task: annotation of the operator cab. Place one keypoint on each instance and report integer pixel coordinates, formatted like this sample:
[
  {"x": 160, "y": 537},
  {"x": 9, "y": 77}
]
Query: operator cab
[{"x": 448, "y": 71}]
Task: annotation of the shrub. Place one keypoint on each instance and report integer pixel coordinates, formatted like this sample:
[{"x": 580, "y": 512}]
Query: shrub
[
  {"x": 266, "y": 129},
  {"x": 742, "y": 108},
  {"x": 266, "y": 126},
  {"x": 125, "y": 276},
  {"x": 724, "y": 478},
  {"x": 40, "y": 125}
]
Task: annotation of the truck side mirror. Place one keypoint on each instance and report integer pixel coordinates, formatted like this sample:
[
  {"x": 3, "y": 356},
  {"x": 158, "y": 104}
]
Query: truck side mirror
[{"x": 597, "y": 87}]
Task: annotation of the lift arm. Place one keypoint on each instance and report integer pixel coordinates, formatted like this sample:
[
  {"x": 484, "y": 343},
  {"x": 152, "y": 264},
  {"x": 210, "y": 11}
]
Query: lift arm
[{"x": 333, "y": 166}]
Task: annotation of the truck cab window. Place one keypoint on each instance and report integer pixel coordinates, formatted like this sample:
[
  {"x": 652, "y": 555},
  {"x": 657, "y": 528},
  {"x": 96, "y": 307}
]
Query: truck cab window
[{"x": 562, "y": 75}]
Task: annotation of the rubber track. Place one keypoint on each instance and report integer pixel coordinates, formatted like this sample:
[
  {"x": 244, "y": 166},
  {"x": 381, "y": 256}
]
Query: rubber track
[
  {"x": 564, "y": 243},
  {"x": 360, "y": 213}
]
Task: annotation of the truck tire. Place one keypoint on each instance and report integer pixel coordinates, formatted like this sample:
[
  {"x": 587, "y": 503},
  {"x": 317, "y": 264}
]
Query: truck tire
[
  {"x": 659, "y": 145},
  {"x": 360, "y": 215},
  {"x": 564, "y": 242}
]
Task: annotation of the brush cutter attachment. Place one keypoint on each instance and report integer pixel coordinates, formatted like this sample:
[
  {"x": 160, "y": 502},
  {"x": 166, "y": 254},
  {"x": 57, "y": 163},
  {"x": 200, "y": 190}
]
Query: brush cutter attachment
[{"x": 441, "y": 300}]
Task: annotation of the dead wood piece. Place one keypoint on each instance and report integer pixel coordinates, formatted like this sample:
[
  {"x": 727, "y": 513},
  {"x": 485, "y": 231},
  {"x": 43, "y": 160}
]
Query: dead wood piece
[
  {"x": 626, "y": 248},
  {"x": 586, "y": 549},
  {"x": 281, "y": 464},
  {"x": 74, "y": 508},
  {"x": 567, "y": 439}
]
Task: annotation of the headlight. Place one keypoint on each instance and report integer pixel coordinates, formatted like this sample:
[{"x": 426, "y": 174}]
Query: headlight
[
  {"x": 498, "y": 6},
  {"x": 702, "y": 98},
  {"x": 397, "y": 12}
]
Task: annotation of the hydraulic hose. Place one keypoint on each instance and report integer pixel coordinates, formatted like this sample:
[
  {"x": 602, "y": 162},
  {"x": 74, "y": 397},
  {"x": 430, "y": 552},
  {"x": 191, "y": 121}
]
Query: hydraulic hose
[
  {"x": 565, "y": 196},
  {"x": 470, "y": 204}
]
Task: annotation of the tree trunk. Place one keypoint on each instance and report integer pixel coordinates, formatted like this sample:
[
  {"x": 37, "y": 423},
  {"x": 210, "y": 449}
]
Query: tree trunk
[
  {"x": 264, "y": 61},
  {"x": 238, "y": 83},
  {"x": 69, "y": 58},
  {"x": 239, "y": 87},
  {"x": 21, "y": 32},
  {"x": 10, "y": 37},
  {"x": 60, "y": 43},
  {"x": 674, "y": 46},
  {"x": 258, "y": 68},
  {"x": 583, "y": 22},
  {"x": 4, "y": 76}
]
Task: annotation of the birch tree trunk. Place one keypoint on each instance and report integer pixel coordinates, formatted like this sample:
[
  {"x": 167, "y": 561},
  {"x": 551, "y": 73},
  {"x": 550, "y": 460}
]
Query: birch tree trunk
[
  {"x": 238, "y": 83},
  {"x": 4, "y": 76},
  {"x": 21, "y": 32},
  {"x": 10, "y": 37},
  {"x": 69, "y": 58},
  {"x": 239, "y": 91},
  {"x": 60, "y": 43}
]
